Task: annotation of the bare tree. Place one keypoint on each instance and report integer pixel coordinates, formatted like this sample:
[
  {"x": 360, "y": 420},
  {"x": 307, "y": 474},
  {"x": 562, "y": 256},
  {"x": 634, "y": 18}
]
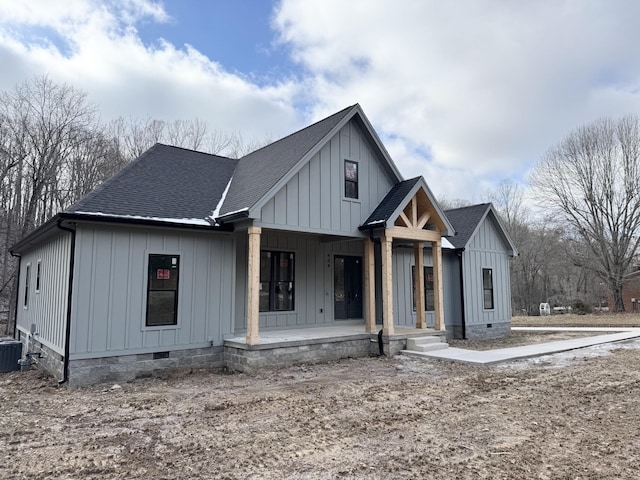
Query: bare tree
[{"x": 591, "y": 180}]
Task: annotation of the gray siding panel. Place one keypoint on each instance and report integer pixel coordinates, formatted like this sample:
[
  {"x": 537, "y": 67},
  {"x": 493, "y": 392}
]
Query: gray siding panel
[
  {"x": 403, "y": 261},
  {"x": 109, "y": 306},
  {"x": 313, "y": 199},
  {"x": 313, "y": 300},
  {"x": 46, "y": 308},
  {"x": 452, "y": 289},
  {"x": 486, "y": 250}
]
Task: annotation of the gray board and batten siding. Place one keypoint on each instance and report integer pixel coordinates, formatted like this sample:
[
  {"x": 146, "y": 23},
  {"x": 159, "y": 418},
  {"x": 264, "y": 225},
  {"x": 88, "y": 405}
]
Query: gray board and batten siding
[
  {"x": 313, "y": 199},
  {"x": 314, "y": 263},
  {"x": 110, "y": 275},
  {"x": 46, "y": 306},
  {"x": 404, "y": 313},
  {"x": 486, "y": 250}
]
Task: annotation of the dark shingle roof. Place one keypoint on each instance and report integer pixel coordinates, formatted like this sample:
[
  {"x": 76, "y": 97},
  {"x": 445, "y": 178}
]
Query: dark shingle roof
[
  {"x": 259, "y": 171},
  {"x": 390, "y": 203},
  {"x": 163, "y": 183},
  {"x": 465, "y": 220}
]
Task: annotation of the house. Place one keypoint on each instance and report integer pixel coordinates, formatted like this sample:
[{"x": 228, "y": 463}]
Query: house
[
  {"x": 477, "y": 261},
  {"x": 304, "y": 250},
  {"x": 630, "y": 292}
]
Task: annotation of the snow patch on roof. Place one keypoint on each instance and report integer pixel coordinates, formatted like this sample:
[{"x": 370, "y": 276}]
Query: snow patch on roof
[
  {"x": 447, "y": 244},
  {"x": 182, "y": 221},
  {"x": 216, "y": 211}
]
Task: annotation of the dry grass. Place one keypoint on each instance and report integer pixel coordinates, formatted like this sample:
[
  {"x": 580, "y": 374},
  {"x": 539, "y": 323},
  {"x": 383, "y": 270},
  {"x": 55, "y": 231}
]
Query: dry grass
[{"x": 593, "y": 320}]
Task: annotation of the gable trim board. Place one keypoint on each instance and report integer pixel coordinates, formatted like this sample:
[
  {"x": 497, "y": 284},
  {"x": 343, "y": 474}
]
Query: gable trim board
[{"x": 116, "y": 226}]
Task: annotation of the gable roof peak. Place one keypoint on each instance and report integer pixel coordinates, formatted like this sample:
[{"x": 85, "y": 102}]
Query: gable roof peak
[{"x": 259, "y": 171}]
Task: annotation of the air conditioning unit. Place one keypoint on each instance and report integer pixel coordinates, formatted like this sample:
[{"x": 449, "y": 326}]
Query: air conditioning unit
[{"x": 10, "y": 353}]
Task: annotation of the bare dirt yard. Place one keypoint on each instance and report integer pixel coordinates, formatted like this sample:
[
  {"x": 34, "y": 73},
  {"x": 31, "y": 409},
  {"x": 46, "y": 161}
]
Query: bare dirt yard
[{"x": 573, "y": 415}]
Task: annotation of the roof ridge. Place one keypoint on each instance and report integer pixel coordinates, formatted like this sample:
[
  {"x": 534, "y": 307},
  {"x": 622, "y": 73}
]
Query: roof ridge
[
  {"x": 476, "y": 205},
  {"x": 177, "y": 147}
]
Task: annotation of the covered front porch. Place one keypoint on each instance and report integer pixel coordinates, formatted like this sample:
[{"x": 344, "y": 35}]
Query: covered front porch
[{"x": 312, "y": 289}]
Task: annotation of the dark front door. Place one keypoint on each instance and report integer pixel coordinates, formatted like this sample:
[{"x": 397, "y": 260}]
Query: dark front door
[{"x": 347, "y": 287}]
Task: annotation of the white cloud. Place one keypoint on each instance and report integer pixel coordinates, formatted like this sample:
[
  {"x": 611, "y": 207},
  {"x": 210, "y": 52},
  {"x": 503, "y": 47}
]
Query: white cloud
[
  {"x": 95, "y": 46},
  {"x": 464, "y": 93},
  {"x": 484, "y": 86}
]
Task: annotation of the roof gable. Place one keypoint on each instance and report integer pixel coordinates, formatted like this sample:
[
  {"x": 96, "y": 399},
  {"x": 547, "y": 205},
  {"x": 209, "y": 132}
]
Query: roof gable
[
  {"x": 467, "y": 221},
  {"x": 165, "y": 183},
  {"x": 262, "y": 173},
  {"x": 398, "y": 198}
]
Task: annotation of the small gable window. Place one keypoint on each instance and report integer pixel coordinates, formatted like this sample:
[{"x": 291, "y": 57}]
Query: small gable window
[
  {"x": 487, "y": 287},
  {"x": 350, "y": 179},
  {"x": 162, "y": 290}
]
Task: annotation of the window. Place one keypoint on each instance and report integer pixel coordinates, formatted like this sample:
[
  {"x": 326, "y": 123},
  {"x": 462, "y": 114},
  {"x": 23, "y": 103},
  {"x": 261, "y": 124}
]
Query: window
[
  {"x": 487, "y": 288},
  {"x": 429, "y": 301},
  {"x": 276, "y": 281},
  {"x": 27, "y": 281},
  {"x": 162, "y": 290},
  {"x": 38, "y": 275},
  {"x": 350, "y": 179}
]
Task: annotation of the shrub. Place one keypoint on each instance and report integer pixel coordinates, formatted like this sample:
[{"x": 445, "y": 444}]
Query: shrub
[{"x": 581, "y": 308}]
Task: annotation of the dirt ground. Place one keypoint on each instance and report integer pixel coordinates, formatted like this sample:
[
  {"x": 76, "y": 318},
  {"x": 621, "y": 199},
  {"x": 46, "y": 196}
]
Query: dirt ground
[
  {"x": 566, "y": 416},
  {"x": 573, "y": 415}
]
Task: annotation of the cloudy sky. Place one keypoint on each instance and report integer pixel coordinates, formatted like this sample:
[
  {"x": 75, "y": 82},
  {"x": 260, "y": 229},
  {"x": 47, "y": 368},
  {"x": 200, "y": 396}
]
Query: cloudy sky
[{"x": 465, "y": 93}]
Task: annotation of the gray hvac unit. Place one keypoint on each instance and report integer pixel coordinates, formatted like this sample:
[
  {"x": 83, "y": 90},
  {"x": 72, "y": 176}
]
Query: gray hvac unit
[{"x": 10, "y": 353}]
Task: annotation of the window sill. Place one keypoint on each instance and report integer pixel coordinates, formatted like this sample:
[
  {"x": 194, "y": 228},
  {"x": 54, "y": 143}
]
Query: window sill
[{"x": 160, "y": 327}]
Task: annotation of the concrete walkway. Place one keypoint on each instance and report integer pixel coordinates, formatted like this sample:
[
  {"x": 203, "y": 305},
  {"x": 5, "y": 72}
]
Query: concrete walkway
[{"x": 489, "y": 357}]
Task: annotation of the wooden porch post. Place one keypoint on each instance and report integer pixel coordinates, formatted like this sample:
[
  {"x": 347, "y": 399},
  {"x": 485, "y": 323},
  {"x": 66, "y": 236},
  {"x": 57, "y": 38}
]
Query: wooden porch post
[
  {"x": 253, "y": 286},
  {"x": 437, "y": 285},
  {"x": 387, "y": 286},
  {"x": 369, "y": 287},
  {"x": 418, "y": 281}
]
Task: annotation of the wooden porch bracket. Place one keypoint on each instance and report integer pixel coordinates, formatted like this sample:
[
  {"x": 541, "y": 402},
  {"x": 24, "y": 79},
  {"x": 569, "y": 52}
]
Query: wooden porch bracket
[{"x": 253, "y": 286}]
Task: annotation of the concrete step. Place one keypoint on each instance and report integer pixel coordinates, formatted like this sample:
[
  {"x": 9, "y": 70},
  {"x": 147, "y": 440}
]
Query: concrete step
[
  {"x": 429, "y": 347},
  {"x": 426, "y": 340}
]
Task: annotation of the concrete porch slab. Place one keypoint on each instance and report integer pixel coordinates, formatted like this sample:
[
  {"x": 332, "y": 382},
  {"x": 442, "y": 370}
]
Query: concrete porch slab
[{"x": 302, "y": 336}]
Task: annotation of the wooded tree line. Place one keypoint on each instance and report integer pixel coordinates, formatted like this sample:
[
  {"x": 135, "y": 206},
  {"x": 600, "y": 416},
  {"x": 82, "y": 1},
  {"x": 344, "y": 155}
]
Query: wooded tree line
[
  {"x": 54, "y": 149},
  {"x": 545, "y": 269},
  {"x": 583, "y": 247}
]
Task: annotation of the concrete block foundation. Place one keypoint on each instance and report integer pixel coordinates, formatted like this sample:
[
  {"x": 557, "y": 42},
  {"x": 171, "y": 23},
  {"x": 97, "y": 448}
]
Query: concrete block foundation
[
  {"x": 485, "y": 331},
  {"x": 124, "y": 368},
  {"x": 233, "y": 355}
]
